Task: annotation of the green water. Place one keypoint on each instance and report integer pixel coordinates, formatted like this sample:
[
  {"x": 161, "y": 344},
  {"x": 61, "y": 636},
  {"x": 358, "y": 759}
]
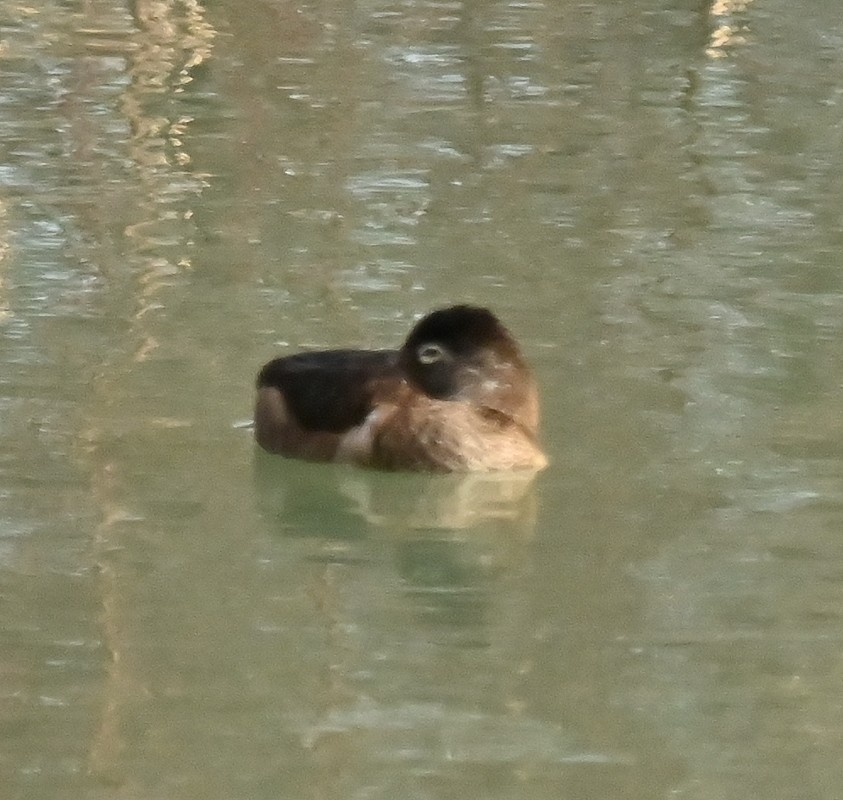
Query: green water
[{"x": 647, "y": 193}]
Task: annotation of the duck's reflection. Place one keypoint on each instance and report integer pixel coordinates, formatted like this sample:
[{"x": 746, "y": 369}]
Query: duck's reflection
[
  {"x": 449, "y": 534},
  {"x": 306, "y": 499},
  {"x": 407, "y": 502},
  {"x": 421, "y": 588}
]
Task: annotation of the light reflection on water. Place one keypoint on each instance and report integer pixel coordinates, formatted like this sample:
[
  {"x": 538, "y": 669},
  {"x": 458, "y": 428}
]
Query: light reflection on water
[{"x": 648, "y": 195}]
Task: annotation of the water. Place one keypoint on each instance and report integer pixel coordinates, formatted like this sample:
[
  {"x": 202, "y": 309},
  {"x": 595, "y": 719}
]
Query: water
[{"x": 647, "y": 193}]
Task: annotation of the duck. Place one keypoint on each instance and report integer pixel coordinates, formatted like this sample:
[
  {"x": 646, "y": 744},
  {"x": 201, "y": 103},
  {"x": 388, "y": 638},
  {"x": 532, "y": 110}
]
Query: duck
[{"x": 457, "y": 396}]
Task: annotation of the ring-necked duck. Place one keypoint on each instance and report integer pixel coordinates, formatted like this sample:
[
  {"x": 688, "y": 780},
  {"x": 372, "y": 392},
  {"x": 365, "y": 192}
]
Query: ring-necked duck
[{"x": 457, "y": 397}]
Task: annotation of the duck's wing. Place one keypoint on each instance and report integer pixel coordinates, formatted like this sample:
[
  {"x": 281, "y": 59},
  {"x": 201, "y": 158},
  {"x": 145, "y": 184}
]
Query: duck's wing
[{"x": 330, "y": 391}]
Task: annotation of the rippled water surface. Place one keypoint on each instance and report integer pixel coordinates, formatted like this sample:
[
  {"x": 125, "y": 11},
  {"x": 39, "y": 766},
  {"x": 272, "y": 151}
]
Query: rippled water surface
[{"x": 648, "y": 193}]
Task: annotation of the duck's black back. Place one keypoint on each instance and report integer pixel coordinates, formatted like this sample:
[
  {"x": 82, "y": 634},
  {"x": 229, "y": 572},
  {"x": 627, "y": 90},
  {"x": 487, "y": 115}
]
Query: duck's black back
[{"x": 329, "y": 390}]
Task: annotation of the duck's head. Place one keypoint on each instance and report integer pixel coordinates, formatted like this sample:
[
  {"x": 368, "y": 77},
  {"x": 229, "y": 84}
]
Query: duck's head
[{"x": 465, "y": 353}]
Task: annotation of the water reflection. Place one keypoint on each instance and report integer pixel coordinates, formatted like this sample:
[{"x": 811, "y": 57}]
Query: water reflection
[
  {"x": 730, "y": 26},
  {"x": 416, "y": 580},
  {"x": 400, "y": 500},
  {"x": 451, "y": 538},
  {"x": 434, "y": 733}
]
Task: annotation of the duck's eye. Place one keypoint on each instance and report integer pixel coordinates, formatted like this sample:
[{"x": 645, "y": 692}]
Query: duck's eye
[{"x": 430, "y": 353}]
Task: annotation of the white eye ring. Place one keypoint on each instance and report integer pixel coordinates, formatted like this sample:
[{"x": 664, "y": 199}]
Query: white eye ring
[{"x": 430, "y": 353}]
